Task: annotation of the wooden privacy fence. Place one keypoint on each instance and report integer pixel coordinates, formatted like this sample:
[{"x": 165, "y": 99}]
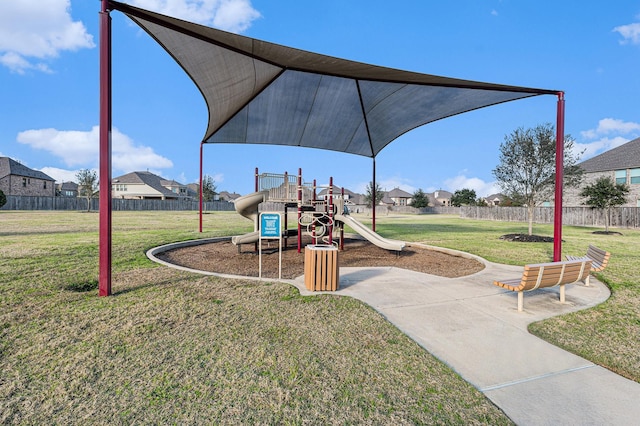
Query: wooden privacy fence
[
  {"x": 621, "y": 217},
  {"x": 15, "y": 202}
]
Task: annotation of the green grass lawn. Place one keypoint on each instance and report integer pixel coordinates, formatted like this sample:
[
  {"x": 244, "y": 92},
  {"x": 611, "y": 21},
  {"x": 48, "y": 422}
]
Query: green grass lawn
[{"x": 174, "y": 347}]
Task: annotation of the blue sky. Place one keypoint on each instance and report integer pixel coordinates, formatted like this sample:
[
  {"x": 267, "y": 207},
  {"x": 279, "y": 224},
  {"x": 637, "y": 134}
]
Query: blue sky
[{"x": 49, "y": 84}]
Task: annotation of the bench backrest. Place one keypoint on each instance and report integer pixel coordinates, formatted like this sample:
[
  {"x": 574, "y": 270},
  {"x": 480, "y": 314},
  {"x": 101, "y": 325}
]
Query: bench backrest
[
  {"x": 599, "y": 257},
  {"x": 554, "y": 273}
]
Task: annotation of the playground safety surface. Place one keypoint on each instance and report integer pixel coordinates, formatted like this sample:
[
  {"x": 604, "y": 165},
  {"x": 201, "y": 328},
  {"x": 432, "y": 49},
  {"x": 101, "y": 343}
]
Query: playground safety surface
[{"x": 223, "y": 257}]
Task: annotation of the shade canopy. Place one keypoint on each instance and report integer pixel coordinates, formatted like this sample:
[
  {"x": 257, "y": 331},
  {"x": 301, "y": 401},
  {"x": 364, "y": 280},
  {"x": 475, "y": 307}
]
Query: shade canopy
[{"x": 263, "y": 93}]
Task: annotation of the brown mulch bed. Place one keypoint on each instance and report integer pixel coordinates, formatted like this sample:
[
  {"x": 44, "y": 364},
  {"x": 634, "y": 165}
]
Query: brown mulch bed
[
  {"x": 526, "y": 238},
  {"x": 223, "y": 257}
]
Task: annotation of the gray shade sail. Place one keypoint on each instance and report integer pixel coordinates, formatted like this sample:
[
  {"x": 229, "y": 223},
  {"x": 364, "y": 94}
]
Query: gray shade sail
[{"x": 263, "y": 93}]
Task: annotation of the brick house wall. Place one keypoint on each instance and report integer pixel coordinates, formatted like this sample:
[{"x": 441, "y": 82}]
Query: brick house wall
[
  {"x": 29, "y": 186},
  {"x": 571, "y": 197}
]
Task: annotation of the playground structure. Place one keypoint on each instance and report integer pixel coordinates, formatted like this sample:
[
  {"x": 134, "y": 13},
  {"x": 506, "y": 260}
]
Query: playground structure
[{"x": 322, "y": 219}]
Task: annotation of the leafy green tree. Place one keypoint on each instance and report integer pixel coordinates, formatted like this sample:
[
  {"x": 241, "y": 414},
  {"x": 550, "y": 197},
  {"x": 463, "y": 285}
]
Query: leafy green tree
[
  {"x": 527, "y": 168},
  {"x": 604, "y": 193},
  {"x": 419, "y": 199},
  {"x": 368, "y": 197},
  {"x": 463, "y": 197},
  {"x": 209, "y": 188},
  {"x": 3, "y": 199},
  {"x": 87, "y": 185}
]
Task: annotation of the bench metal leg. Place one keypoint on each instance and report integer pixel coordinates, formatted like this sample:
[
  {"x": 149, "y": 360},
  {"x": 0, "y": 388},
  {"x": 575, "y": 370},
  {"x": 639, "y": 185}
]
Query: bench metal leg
[
  {"x": 586, "y": 281},
  {"x": 520, "y": 301},
  {"x": 561, "y": 293}
]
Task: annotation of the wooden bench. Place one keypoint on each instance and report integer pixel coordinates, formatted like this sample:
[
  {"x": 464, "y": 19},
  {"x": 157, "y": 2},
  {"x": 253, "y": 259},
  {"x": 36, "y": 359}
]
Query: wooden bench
[
  {"x": 599, "y": 259},
  {"x": 543, "y": 275}
]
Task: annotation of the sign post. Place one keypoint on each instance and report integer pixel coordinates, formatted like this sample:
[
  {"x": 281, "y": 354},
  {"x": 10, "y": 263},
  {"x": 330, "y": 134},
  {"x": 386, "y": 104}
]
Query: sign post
[{"x": 271, "y": 229}]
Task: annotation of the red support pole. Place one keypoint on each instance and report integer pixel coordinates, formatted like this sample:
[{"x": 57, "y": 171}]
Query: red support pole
[
  {"x": 256, "y": 224},
  {"x": 313, "y": 220},
  {"x": 373, "y": 193},
  {"x": 104, "y": 280},
  {"x": 342, "y": 227},
  {"x": 557, "y": 221},
  {"x": 256, "y": 180},
  {"x": 201, "y": 184},
  {"x": 331, "y": 210},
  {"x": 299, "y": 209}
]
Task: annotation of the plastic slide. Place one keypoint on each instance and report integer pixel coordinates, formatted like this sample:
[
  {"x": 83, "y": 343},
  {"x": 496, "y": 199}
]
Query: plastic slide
[
  {"x": 371, "y": 236},
  {"x": 247, "y": 206}
]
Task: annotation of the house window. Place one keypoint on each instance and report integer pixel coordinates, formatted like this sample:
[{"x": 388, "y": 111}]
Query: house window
[
  {"x": 634, "y": 175},
  {"x": 45, "y": 184},
  {"x": 621, "y": 176}
]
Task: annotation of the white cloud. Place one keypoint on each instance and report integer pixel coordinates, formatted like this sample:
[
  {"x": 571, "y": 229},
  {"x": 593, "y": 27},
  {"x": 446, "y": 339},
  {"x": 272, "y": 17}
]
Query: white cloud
[
  {"x": 599, "y": 146},
  {"x": 62, "y": 175},
  {"x": 494, "y": 12},
  {"x": 630, "y": 33},
  {"x": 391, "y": 183},
  {"x": 609, "y": 134},
  {"x": 608, "y": 126},
  {"x": 80, "y": 148},
  {"x": 229, "y": 15},
  {"x": 38, "y": 29},
  {"x": 481, "y": 187},
  {"x": 218, "y": 178},
  {"x": 384, "y": 184}
]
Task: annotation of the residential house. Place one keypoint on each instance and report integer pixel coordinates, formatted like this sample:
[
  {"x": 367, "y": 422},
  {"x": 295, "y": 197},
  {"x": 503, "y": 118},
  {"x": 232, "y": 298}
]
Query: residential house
[
  {"x": 228, "y": 196},
  {"x": 147, "y": 186},
  {"x": 495, "y": 199},
  {"x": 193, "y": 190},
  {"x": 67, "y": 189},
  {"x": 622, "y": 164},
  {"x": 349, "y": 196},
  {"x": 386, "y": 200},
  {"x": 399, "y": 197},
  {"x": 18, "y": 179},
  {"x": 440, "y": 198}
]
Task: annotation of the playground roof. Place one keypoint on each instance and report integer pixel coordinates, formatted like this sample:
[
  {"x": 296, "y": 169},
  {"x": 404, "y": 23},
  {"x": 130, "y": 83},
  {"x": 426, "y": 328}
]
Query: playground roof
[{"x": 263, "y": 93}]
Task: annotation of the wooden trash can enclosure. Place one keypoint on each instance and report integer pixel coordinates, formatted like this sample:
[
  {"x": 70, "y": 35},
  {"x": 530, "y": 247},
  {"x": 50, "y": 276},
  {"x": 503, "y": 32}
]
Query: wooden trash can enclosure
[{"x": 321, "y": 270}]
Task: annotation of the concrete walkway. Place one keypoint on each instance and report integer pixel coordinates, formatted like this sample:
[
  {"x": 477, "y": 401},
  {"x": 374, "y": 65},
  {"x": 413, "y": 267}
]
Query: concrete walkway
[{"x": 475, "y": 328}]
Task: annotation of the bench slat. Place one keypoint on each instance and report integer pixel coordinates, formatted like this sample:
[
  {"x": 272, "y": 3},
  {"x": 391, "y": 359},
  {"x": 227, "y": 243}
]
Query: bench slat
[
  {"x": 599, "y": 259},
  {"x": 544, "y": 275}
]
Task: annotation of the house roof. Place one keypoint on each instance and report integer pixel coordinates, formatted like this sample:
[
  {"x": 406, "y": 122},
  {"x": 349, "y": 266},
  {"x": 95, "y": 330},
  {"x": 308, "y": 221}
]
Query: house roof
[
  {"x": 625, "y": 156},
  {"x": 145, "y": 178},
  {"x": 68, "y": 186},
  {"x": 441, "y": 193},
  {"x": 497, "y": 196},
  {"x": 398, "y": 193},
  {"x": 167, "y": 182},
  {"x": 10, "y": 166},
  {"x": 228, "y": 196},
  {"x": 337, "y": 190},
  {"x": 263, "y": 93}
]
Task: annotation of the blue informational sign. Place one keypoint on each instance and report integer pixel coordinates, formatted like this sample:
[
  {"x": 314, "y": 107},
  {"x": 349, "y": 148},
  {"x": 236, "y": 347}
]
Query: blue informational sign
[{"x": 270, "y": 225}]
